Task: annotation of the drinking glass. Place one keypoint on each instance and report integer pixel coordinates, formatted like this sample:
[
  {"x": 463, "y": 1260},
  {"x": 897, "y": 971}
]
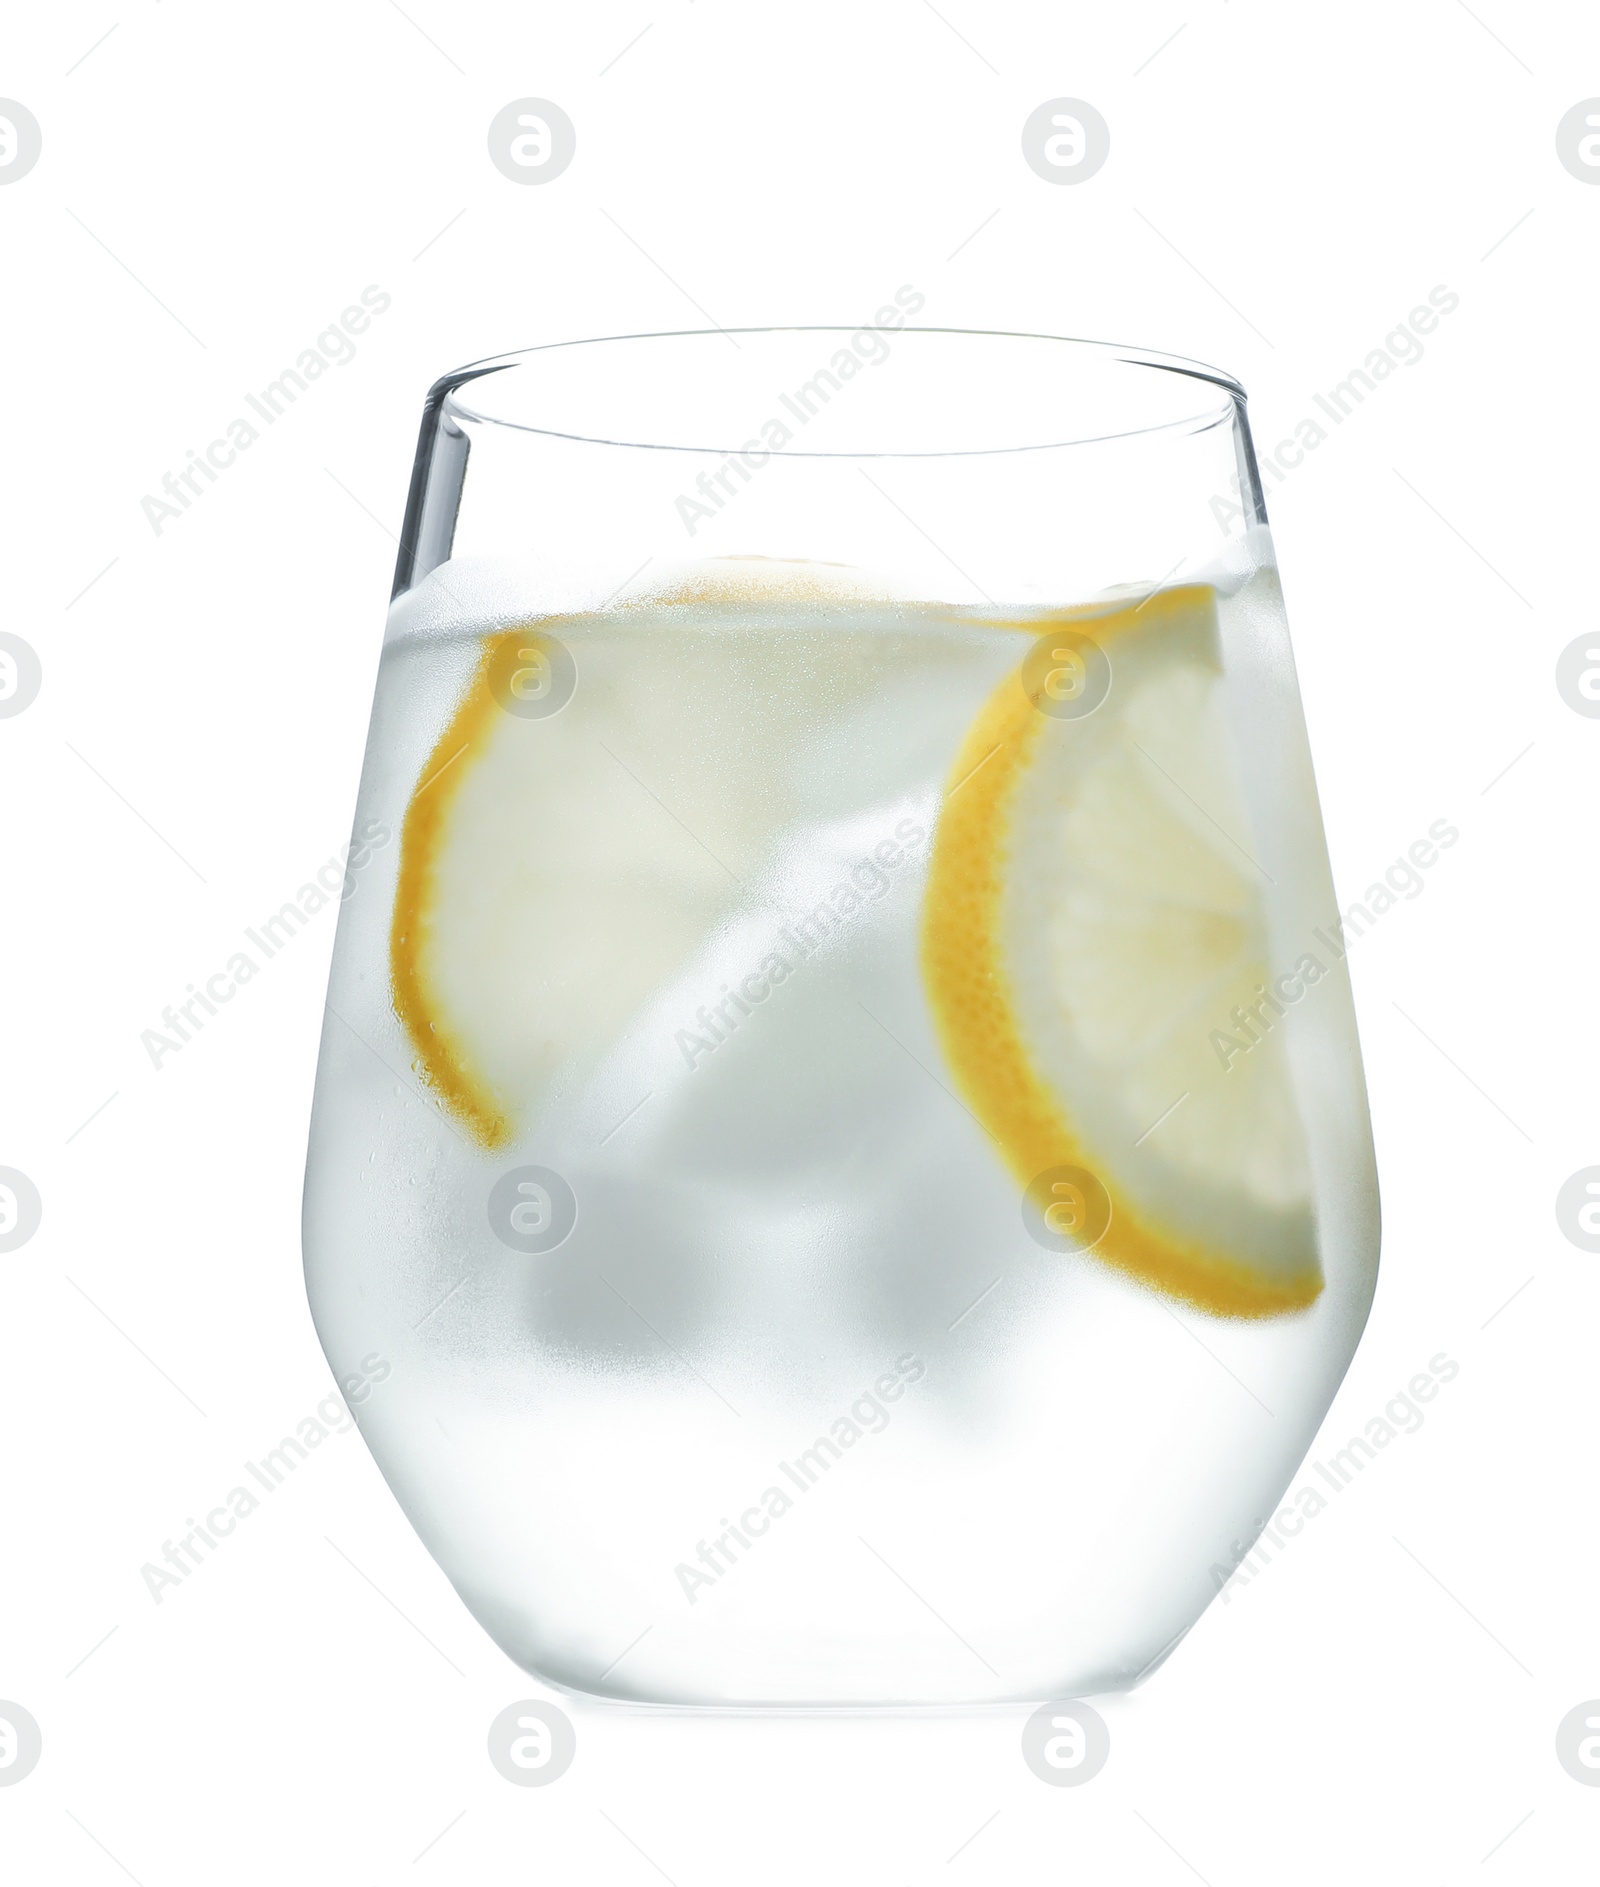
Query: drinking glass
[{"x": 840, "y": 1172}]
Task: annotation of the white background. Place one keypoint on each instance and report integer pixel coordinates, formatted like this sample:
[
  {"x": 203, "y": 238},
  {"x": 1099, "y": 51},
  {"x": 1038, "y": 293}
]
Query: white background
[{"x": 1285, "y": 184}]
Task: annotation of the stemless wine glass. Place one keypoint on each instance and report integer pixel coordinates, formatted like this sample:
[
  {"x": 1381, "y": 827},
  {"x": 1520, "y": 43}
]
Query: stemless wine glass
[{"x": 840, "y": 1171}]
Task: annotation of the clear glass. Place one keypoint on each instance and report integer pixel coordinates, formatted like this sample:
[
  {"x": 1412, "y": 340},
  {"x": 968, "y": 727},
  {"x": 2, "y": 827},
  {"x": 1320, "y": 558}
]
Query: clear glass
[{"x": 840, "y": 1171}]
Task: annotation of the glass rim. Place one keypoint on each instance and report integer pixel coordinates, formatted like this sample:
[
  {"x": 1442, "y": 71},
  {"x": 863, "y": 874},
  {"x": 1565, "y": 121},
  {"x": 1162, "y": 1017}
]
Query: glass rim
[{"x": 447, "y": 398}]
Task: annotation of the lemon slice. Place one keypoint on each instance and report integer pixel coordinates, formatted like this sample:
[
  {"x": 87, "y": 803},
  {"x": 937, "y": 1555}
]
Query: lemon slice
[
  {"x": 557, "y": 867},
  {"x": 1093, "y": 918}
]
